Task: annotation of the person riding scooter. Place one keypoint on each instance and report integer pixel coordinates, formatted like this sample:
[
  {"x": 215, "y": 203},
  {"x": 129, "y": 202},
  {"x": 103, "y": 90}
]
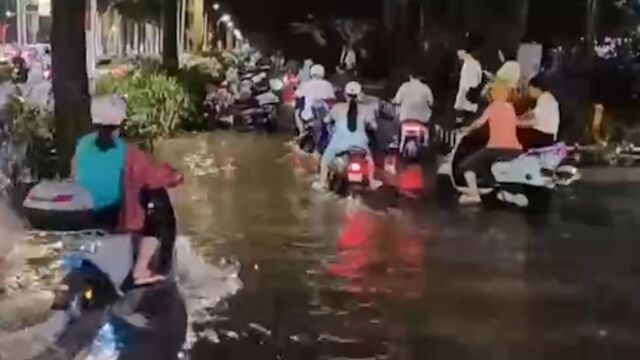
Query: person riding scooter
[
  {"x": 415, "y": 100},
  {"x": 503, "y": 141},
  {"x": 115, "y": 174},
  {"x": 539, "y": 127},
  {"x": 309, "y": 93},
  {"x": 350, "y": 131}
]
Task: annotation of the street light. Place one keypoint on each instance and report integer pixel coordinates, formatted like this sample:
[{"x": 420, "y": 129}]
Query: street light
[
  {"x": 216, "y": 6},
  {"x": 225, "y": 18}
]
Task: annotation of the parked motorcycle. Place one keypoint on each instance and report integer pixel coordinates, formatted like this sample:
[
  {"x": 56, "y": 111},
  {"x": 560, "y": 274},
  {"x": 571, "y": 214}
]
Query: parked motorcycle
[
  {"x": 218, "y": 109},
  {"x": 261, "y": 108},
  {"x": 20, "y": 71},
  {"x": 526, "y": 181},
  {"x": 19, "y": 76}
]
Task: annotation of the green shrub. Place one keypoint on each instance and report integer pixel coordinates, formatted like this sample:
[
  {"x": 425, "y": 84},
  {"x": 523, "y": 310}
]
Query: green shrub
[
  {"x": 157, "y": 105},
  {"x": 193, "y": 80},
  {"x": 149, "y": 65},
  {"x": 106, "y": 84},
  {"x": 160, "y": 105},
  {"x": 5, "y": 72},
  {"x": 33, "y": 132}
]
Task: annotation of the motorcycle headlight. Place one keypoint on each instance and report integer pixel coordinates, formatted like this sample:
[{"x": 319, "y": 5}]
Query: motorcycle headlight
[{"x": 88, "y": 294}]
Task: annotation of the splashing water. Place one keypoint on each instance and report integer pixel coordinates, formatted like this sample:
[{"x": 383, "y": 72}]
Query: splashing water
[
  {"x": 11, "y": 229},
  {"x": 203, "y": 285}
]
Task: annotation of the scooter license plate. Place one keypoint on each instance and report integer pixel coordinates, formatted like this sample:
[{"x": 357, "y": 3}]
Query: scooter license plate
[{"x": 355, "y": 178}]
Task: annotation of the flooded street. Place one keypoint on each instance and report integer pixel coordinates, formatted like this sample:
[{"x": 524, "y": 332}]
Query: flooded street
[{"x": 325, "y": 278}]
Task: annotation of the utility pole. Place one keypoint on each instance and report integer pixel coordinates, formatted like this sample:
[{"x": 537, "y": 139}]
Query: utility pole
[
  {"x": 182, "y": 39},
  {"x": 20, "y": 9},
  {"x": 591, "y": 28},
  {"x": 91, "y": 42}
]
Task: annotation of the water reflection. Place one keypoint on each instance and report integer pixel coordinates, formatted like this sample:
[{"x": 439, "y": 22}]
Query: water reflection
[{"x": 328, "y": 278}]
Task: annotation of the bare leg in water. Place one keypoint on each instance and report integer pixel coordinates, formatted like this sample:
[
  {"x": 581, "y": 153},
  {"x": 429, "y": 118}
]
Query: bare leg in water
[{"x": 142, "y": 275}]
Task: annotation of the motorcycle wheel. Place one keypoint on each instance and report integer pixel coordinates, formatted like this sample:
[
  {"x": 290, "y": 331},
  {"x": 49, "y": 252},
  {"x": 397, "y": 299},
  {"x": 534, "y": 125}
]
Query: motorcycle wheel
[
  {"x": 338, "y": 184},
  {"x": 411, "y": 151},
  {"x": 272, "y": 123},
  {"x": 539, "y": 199},
  {"x": 490, "y": 201},
  {"x": 307, "y": 144}
]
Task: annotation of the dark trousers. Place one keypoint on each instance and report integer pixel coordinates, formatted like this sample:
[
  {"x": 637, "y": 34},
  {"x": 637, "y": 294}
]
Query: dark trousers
[
  {"x": 107, "y": 217},
  {"x": 481, "y": 162},
  {"x": 531, "y": 138}
]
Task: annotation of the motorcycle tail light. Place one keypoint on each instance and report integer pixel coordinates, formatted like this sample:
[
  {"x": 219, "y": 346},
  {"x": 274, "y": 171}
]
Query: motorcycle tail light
[
  {"x": 357, "y": 167},
  {"x": 412, "y": 128},
  {"x": 62, "y": 198},
  {"x": 56, "y": 199}
]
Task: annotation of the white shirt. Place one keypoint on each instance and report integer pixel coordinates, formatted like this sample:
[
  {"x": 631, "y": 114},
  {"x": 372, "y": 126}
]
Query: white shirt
[
  {"x": 305, "y": 73},
  {"x": 547, "y": 114},
  {"x": 348, "y": 58},
  {"x": 415, "y": 99},
  {"x": 510, "y": 72},
  {"x": 470, "y": 77},
  {"x": 314, "y": 90}
]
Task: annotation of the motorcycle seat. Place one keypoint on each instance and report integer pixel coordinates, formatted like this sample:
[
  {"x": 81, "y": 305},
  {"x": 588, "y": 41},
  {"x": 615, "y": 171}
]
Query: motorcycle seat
[
  {"x": 549, "y": 150},
  {"x": 507, "y": 158},
  {"x": 413, "y": 122},
  {"x": 354, "y": 151}
]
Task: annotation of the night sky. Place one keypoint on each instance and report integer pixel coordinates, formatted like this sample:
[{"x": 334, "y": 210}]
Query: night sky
[
  {"x": 267, "y": 22},
  {"x": 269, "y": 15}
]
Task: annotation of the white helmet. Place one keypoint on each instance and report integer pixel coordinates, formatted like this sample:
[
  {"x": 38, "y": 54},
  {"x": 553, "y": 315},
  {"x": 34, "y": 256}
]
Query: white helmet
[
  {"x": 353, "y": 89},
  {"x": 110, "y": 110},
  {"x": 317, "y": 71}
]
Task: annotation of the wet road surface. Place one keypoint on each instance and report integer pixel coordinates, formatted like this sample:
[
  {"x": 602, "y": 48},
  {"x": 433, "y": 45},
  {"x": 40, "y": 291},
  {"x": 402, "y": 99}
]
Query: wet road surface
[{"x": 326, "y": 278}]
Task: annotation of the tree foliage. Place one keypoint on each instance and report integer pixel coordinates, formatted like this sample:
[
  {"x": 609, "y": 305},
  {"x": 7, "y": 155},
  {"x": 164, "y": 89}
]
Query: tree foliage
[
  {"x": 141, "y": 10},
  {"x": 6, "y": 6}
]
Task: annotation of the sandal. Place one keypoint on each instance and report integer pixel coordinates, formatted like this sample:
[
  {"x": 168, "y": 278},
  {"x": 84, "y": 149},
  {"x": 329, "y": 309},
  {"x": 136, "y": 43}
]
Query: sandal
[{"x": 148, "y": 280}]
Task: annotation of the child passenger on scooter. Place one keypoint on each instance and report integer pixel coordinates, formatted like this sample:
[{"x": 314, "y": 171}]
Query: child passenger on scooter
[
  {"x": 115, "y": 174},
  {"x": 503, "y": 140}
]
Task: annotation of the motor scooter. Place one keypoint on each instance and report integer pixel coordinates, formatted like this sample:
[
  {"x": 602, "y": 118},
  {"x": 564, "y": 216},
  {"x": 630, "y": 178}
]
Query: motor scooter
[
  {"x": 527, "y": 180},
  {"x": 107, "y": 316}
]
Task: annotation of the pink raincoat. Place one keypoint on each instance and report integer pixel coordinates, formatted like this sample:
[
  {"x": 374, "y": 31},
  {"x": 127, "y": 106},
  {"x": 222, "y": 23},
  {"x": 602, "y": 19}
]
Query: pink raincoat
[{"x": 141, "y": 171}]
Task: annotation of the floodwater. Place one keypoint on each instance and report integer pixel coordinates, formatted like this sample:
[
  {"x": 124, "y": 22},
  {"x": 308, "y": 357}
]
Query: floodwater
[{"x": 328, "y": 278}]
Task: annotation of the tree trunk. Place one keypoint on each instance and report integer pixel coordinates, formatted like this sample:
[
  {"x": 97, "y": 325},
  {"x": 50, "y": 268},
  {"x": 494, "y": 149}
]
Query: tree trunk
[
  {"x": 196, "y": 24},
  {"x": 170, "y": 36},
  {"x": 124, "y": 34},
  {"x": 70, "y": 83}
]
